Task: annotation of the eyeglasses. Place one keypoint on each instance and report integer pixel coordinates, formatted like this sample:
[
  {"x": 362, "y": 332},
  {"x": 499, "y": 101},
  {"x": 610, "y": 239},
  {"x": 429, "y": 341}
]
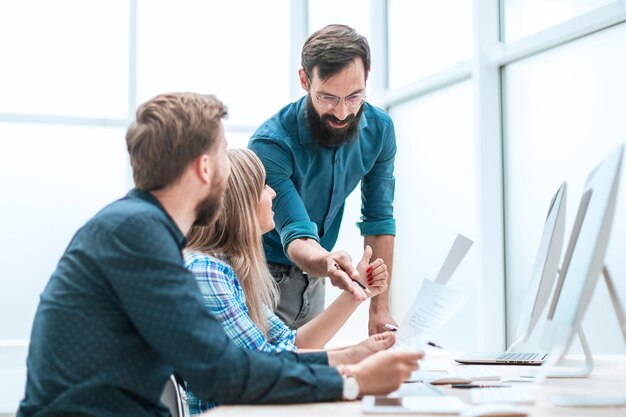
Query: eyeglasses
[{"x": 330, "y": 102}]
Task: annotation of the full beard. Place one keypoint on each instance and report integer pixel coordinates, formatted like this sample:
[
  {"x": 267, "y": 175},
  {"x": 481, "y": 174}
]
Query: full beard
[{"x": 329, "y": 136}]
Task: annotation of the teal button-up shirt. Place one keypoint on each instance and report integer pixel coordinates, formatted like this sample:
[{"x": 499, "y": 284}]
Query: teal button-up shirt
[{"x": 312, "y": 181}]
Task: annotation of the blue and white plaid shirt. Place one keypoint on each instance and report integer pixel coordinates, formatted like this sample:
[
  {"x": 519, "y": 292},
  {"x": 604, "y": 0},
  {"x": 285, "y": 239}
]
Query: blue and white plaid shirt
[{"x": 224, "y": 298}]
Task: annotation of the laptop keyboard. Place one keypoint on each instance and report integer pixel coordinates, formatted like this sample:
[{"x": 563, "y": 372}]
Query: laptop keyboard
[
  {"x": 517, "y": 356},
  {"x": 512, "y": 395}
]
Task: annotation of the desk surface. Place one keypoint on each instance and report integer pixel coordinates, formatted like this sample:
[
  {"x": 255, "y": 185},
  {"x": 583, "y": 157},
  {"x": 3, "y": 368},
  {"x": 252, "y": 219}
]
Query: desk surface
[{"x": 607, "y": 378}]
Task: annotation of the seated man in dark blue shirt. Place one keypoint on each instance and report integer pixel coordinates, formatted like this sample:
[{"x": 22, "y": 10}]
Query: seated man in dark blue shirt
[{"x": 121, "y": 312}]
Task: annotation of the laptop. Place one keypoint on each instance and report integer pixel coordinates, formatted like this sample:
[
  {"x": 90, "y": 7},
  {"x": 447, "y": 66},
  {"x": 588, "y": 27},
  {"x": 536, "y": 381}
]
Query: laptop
[{"x": 544, "y": 274}]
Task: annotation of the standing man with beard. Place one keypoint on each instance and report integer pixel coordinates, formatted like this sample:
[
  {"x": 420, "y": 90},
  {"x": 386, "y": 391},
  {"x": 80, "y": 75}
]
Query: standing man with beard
[
  {"x": 121, "y": 312},
  {"x": 315, "y": 151}
]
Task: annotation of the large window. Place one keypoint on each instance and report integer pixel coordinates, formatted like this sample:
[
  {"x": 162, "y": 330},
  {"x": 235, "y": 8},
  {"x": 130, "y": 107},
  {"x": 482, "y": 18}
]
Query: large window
[
  {"x": 70, "y": 73},
  {"x": 64, "y": 58},
  {"x": 564, "y": 111},
  {"x": 236, "y": 50},
  {"x": 426, "y": 37},
  {"x": 526, "y": 17},
  {"x": 435, "y": 200},
  {"x": 354, "y": 13},
  {"x": 54, "y": 179},
  {"x": 550, "y": 105}
]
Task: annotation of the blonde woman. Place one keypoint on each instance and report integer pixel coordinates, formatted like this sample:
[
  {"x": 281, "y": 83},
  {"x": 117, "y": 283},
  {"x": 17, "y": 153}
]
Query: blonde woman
[{"x": 229, "y": 264}]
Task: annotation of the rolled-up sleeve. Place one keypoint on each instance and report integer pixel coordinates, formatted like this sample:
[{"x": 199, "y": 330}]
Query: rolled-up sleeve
[
  {"x": 291, "y": 217},
  {"x": 377, "y": 191}
]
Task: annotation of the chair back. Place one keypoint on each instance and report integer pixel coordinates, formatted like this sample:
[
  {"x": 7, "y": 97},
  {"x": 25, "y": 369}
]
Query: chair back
[{"x": 174, "y": 397}]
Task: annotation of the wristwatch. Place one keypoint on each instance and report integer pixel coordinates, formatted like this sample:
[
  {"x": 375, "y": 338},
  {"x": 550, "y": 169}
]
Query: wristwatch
[{"x": 350, "y": 385}]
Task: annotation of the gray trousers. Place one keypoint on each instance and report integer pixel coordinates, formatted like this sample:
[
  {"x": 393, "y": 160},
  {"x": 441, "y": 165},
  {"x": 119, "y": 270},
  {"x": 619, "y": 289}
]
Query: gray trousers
[{"x": 301, "y": 295}]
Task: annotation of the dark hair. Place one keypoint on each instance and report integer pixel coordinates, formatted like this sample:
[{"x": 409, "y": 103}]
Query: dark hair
[
  {"x": 331, "y": 49},
  {"x": 171, "y": 130}
]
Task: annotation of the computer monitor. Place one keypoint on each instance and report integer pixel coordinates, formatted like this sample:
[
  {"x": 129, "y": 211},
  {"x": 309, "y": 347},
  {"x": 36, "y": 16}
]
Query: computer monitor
[
  {"x": 546, "y": 266},
  {"x": 584, "y": 259},
  {"x": 542, "y": 281}
]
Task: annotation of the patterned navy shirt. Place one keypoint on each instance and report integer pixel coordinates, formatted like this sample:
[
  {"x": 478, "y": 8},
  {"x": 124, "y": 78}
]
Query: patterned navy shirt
[{"x": 121, "y": 312}]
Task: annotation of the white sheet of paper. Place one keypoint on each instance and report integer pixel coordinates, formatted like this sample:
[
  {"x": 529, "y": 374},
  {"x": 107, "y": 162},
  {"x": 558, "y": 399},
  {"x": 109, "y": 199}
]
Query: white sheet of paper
[
  {"x": 434, "y": 305},
  {"x": 459, "y": 249}
]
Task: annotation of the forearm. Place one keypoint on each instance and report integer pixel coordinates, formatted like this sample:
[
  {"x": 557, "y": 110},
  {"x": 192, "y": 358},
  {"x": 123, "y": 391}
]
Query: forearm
[
  {"x": 251, "y": 377},
  {"x": 382, "y": 247},
  {"x": 317, "y": 332},
  {"x": 309, "y": 255}
]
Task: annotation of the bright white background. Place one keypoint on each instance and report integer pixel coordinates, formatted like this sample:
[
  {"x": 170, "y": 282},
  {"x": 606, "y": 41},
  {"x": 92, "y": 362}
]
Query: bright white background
[
  {"x": 73, "y": 72},
  {"x": 560, "y": 125}
]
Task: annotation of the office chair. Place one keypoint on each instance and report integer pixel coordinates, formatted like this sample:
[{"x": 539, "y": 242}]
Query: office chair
[{"x": 174, "y": 397}]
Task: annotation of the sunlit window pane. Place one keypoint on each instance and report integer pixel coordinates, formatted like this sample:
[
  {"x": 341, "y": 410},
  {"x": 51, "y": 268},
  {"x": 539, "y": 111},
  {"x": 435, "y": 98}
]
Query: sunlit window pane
[
  {"x": 354, "y": 13},
  {"x": 435, "y": 200},
  {"x": 426, "y": 37},
  {"x": 564, "y": 113},
  {"x": 54, "y": 178},
  {"x": 64, "y": 57},
  {"x": 233, "y": 49},
  {"x": 237, "y": 139},
  {"x": 525, "y": 17}
]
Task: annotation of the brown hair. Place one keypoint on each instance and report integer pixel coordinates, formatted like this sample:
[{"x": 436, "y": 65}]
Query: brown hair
[
  {"x": 236, "y": 235},
  {"x": 331, "y": 49},
  {"x": 170, "y": 131}
]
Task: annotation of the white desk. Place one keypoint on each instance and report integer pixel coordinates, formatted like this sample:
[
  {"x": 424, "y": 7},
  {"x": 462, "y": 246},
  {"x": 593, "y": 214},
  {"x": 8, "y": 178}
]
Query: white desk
[{"x": 608, "y": 378}]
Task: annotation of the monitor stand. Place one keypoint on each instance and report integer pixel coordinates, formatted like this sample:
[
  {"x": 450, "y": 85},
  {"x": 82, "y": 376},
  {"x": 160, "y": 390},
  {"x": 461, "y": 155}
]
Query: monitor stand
[
  {"x": 579, "y": 400},
  {"x": 551, "y": 371},
  {"x": 550, "y": 368},
  {"x": 617, "y": 305}
]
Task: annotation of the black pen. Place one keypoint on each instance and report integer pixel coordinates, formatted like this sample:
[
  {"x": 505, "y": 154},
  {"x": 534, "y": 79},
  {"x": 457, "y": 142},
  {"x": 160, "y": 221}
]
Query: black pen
[
  {"x": 363, "y": 287},
  {"x": 479, "y": 385},
  {"x": 433, "y": 344}
]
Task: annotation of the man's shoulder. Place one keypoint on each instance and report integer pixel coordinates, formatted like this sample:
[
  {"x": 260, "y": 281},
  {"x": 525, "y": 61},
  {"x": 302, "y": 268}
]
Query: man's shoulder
[
  {"x": 281, "y": 127},
  {"x": 377, "y": 115},
  {"x": 128, "y": 212},
  {"x": 134, "y": 220}
]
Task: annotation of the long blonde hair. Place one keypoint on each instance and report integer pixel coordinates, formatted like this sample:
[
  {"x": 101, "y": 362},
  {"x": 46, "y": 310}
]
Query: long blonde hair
[{"x": 236, "y": 235}]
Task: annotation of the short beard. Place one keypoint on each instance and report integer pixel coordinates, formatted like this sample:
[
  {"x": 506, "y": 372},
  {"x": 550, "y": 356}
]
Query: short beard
[
  {"x": 326, "y": 135},
  {"x": 209, "y": 209}
]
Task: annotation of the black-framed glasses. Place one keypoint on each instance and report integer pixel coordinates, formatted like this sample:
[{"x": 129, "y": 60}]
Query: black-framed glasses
[{"x": 330, "y": 102}]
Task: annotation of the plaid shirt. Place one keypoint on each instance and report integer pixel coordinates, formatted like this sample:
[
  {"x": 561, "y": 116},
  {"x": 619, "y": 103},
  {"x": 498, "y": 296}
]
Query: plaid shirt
[{"x": 224, "y": 298}]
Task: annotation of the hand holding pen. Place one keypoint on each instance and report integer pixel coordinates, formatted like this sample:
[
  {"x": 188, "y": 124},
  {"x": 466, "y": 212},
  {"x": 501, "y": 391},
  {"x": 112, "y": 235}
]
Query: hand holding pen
[{"x": 342, "y": 274}]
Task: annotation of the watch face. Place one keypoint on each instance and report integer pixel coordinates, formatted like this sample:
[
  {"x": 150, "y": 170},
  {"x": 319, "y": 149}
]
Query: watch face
[{"x": 350, "y": 388}]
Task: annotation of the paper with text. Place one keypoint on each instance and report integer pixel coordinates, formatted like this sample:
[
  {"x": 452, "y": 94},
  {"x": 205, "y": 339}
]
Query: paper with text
[{"x": 432, "y": 308}]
